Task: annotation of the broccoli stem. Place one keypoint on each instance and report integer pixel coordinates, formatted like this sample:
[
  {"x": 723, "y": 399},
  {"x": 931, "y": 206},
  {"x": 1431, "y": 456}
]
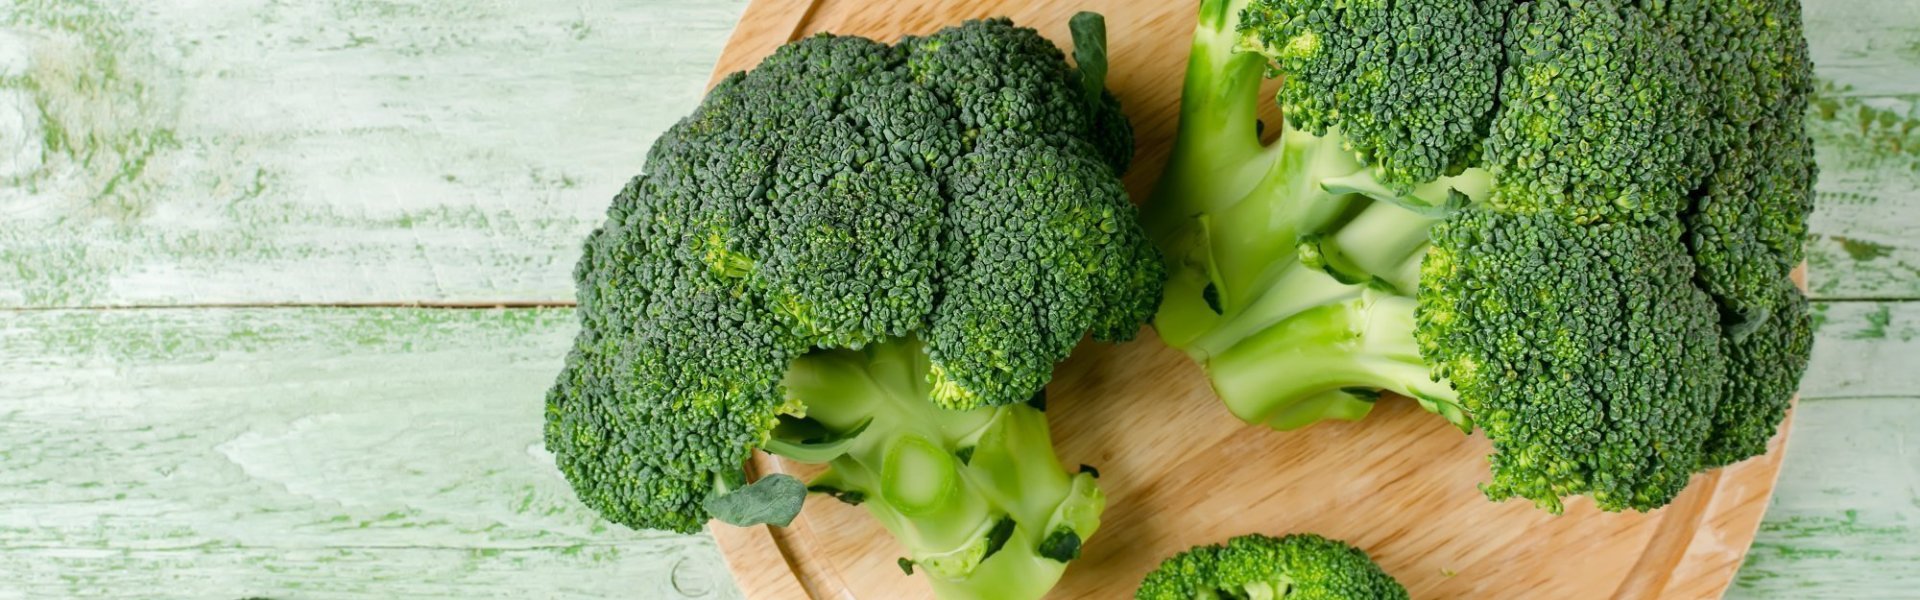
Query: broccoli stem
[
  {"x": 1329, "y": 361},
  {"x": 1381, "y": 240},
  {"x": 1218, "y": 144},
  {"x": 1291, "y": 267},
  {"x": 942, "y": 481},
  {"x": 1217, "y": 160},
  {"x": 1376, "y": 248},
  {"x": 1243, "y": 246},
  {"x": 1332, "y": 328}
]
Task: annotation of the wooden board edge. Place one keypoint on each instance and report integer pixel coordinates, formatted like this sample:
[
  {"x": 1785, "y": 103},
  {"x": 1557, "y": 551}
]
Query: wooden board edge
[
  {"x": 1739, "y": 521},
  {"x": 1719, "y": 510},
  {"x": 1667, "y": 549},
  {"x": 764, "y": 26}
]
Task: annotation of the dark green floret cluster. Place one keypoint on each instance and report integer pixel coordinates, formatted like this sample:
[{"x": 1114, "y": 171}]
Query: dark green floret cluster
[
  {"x": 1568, "y": 223},
  {"x": 869, "y": 256},
  {"x": 1300, "y": 566}
]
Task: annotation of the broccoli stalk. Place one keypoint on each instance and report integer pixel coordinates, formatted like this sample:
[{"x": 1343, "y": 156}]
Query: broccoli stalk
[
  {"x": 1298, "y": 267},
  {"x": 976, "y": 496}
]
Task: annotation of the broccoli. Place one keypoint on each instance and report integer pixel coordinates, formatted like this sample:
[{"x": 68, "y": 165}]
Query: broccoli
[
  {"x": 1568, "y": 223},
  {"x": 1259, "y": 567},
  {"x": 871, "y": 257}
]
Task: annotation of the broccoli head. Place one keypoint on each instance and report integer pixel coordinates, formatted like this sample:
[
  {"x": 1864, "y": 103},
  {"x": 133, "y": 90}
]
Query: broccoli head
[
  {"x": 1568, "y": 223},
  {"x": 1254, "y": 566},
  {"x": 869, "y": 256}
]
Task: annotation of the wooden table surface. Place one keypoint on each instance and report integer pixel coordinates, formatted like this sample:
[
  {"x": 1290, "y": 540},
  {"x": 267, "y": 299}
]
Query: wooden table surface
[{"x": 236, "y": 236}]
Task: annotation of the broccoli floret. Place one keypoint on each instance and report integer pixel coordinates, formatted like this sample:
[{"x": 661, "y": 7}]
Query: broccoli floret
[
  {"x": 1750, "y": 219},
  {"x": 1259, "y": 567},
  {"x": 1369, "y": 71},
  {"x": 1558, "y": 221},
  {"x": 1749, "y": 216},
  {"x": 1583, "y": 351},
  {"x": 868, "y": 256},
  {"x": 1598, "y": 115},
  {"x": 1772, "y": 360}
]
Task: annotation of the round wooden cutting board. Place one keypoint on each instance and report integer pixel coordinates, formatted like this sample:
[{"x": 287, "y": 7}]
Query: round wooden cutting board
[{"x": 1178, "y": 470}]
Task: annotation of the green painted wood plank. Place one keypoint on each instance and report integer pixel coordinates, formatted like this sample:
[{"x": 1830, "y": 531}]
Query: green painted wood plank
[
  {"x": 1865, "y": 351},
  {"x": 321, "y": 453},
  {"x": 1844, "y": 521},
  {"x": 1867, "y": 53},
  {"x": 447, "y": 150},
  {"x": 374, "y": 452},
  {"x": 336, "y": 150}
]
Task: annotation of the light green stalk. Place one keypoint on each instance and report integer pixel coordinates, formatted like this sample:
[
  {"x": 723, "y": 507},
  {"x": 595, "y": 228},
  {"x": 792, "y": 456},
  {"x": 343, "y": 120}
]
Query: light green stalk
[
  {"x": 977, "y": 497},
  {"x": 1292, "y": 270}
]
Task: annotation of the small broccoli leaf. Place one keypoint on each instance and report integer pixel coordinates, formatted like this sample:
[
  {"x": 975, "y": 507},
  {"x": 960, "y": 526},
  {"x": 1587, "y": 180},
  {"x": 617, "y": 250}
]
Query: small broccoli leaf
[
  {"x": 998, "y": 536},
  {"x": 1740, "y": 325},
  {"x": 906, "y": 566},
  {"x": 819, "y": 445},
  {"x": 1062, "y": 545},
  {"x": 1039, "y": 400},
  {"x": 1088, "y": 469},
  {"x": 850, "y": 497},
  {"x": 800, "y": 429},
  {"x": 1363, "y": 394},
  {"x": 1212, "y": 295},
  {"x": 774, "y": 500},
  {"x": 1090, "y": 52}
]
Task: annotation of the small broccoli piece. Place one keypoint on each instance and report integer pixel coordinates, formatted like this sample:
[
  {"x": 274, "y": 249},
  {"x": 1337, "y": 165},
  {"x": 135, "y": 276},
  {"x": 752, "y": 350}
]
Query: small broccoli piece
[
  {"x": 1254, "y": 566},
  {"x": 1557, "y": 221},
  {"x": 1556, "y": 145},
  {"x": 867, "y": 256},
  {"x": 1772, "y": 358},
  {"x": 1368, "y": 71}
]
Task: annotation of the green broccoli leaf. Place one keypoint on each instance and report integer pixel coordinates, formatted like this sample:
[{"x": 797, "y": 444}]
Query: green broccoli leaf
[
  {"x": 1090, "y": 52},
  {"x": 773, "y": 500}
]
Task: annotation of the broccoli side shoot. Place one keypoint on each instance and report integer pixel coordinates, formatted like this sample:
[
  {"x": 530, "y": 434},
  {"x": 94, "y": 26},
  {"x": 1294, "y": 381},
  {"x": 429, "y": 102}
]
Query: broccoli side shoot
[
  {"x": 868, "y": 256},
  {"x": 1567, "y": 223},
  {"x": 1254, "y": 566}
]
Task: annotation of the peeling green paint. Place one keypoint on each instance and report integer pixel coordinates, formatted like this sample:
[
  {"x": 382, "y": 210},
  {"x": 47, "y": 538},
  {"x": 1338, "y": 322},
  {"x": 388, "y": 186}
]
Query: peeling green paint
[
  {"x": 1863, "y": 250},
  {"x": 101, "y": 115},
  {"x": 1876, "y": 324}
]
